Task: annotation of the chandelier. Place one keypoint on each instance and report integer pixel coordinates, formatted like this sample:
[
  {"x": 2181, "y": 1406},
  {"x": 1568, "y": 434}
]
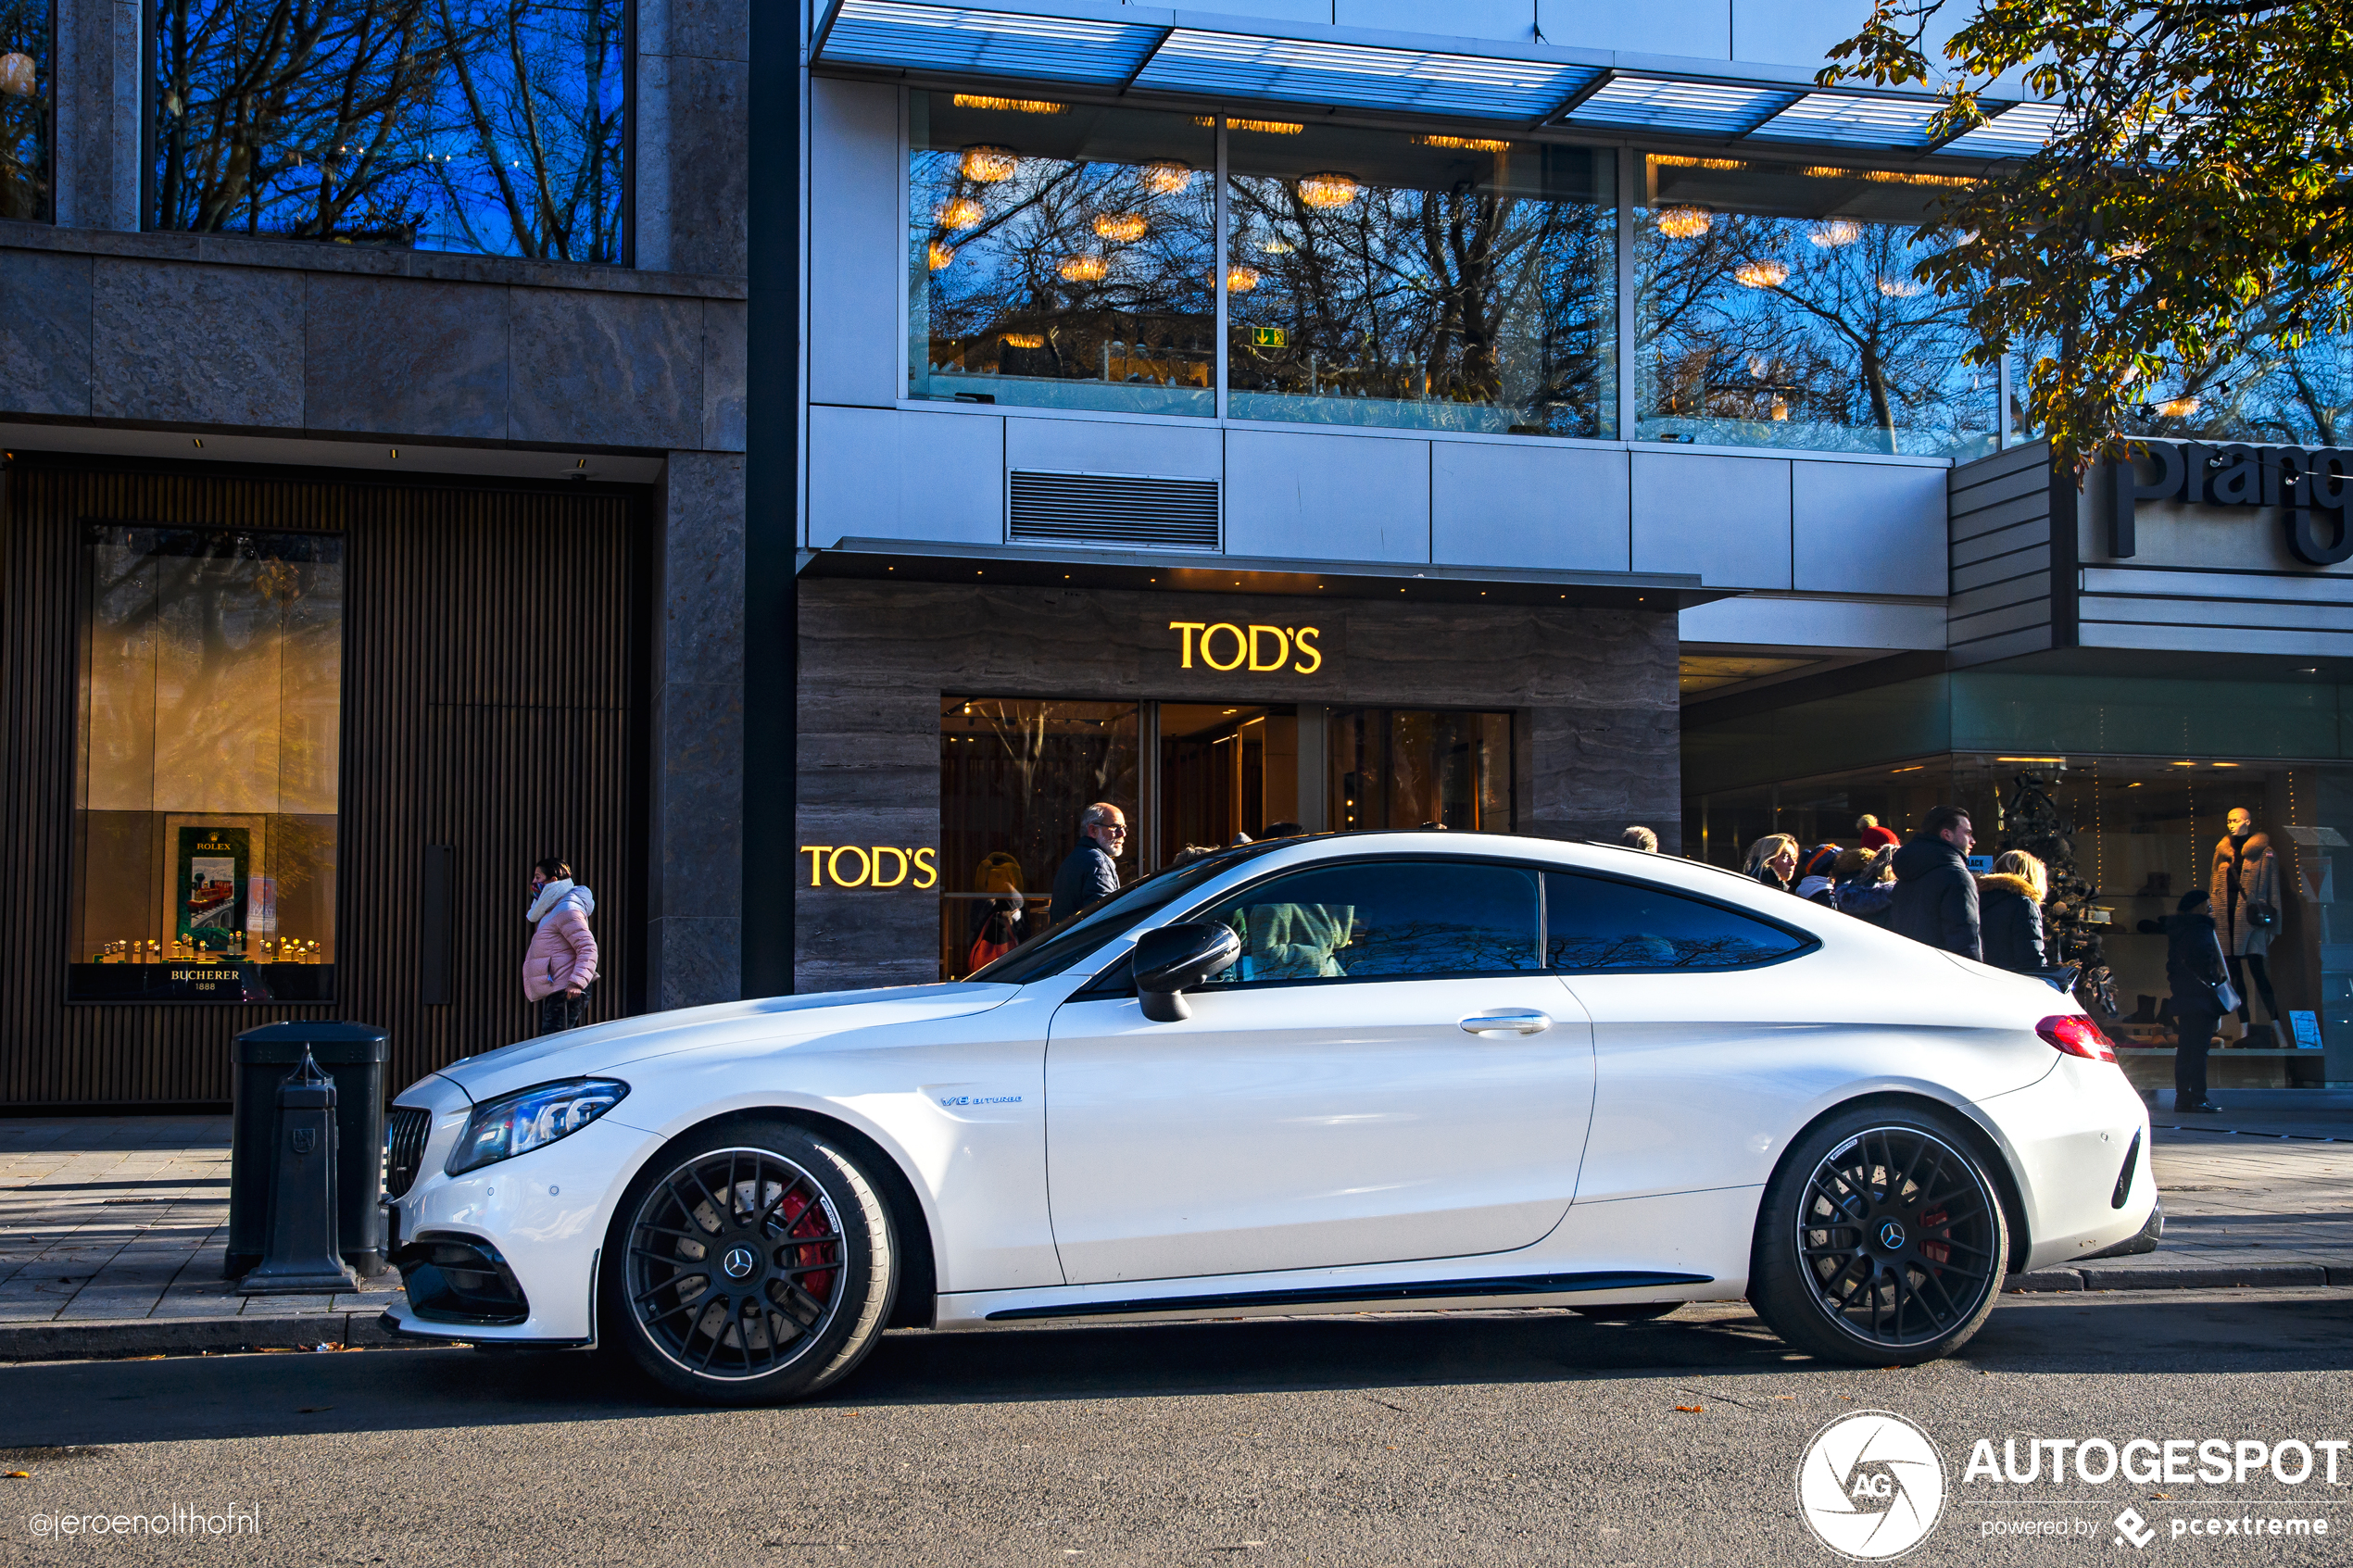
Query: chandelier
[
  {"x": 1684, "y": 222},
  {"x": 962, "y": 212},
  {"x": 1761, "y": 274},
  {"x": 989, "y": 164},
  {"x": 1167, "y": 177},
  {"x": 1901, "y": 288},
  {"x": 1241, "y": 280},
  {"x": 1120, "y": 228},
  {"x": 2179, "y": 408},
  {"x": 1327, "y": 192},
  {"x": 1837, "y": 232},
  {"x": 938, "y": 255},
  {"x": 1085, "y": 270}
]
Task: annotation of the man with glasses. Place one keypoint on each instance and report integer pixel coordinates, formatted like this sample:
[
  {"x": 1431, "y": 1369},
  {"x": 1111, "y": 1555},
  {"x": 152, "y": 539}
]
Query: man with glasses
[{"x": 1092, "y": 871}]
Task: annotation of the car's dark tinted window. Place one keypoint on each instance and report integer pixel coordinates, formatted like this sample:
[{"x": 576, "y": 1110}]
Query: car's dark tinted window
[
  {"x": 1592, "y": 923},
  {"x": 1065, "y": 945},
  {"x": 1380, "y": 919}
]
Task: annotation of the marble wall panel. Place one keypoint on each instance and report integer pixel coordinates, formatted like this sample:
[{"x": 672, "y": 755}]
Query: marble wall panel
[
  {"x": 404, "y": 357},
  {"x": 723, "y": 371},
  {"x": 709, "y": 160},
  {"x": 44, "y": 333},
  {"x": 702, "y": 799},
  {"x": 604, "y": 369},
  {"x": 714, "y": 29},
  {"x": 695, "y": 960},
  {"x": 702, "y": 570},
  {"x": 198, "y": 344}
]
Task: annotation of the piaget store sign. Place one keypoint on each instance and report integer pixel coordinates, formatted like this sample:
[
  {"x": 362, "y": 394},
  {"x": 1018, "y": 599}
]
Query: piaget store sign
[
  {"x": 876, "y": 865},
  {"x": 1226, "y": 647}
]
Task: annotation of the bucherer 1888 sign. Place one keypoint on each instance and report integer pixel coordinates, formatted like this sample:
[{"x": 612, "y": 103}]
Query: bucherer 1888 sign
[{"x": 2309, "y": 486}]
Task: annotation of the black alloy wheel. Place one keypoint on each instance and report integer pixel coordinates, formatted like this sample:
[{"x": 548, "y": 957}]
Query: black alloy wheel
[
  {"x": 1881, "y": 1240},
  {"x": 750, "y": 1266}
]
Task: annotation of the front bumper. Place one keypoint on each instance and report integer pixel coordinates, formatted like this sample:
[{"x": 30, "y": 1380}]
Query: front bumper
[{"x": 537, "y": 1221}]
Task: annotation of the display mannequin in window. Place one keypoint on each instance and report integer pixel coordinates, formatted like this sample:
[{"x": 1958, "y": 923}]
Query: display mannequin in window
[{"x": 2244, "y": 887}]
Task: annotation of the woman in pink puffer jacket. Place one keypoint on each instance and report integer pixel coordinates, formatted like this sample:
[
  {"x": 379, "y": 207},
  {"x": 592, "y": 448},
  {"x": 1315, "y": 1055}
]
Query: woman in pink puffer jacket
[{"x": 561, "y": 961}]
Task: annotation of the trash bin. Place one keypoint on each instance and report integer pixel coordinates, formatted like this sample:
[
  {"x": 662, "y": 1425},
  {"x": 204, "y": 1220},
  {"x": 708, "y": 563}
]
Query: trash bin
[{"x": 353, "y": 1054}]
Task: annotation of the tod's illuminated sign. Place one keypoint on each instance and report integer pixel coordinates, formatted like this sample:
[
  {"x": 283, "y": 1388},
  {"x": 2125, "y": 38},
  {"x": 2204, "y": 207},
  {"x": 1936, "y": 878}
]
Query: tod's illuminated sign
[
  {"x": 1223, "y": 646},
  {"x": 877, "y": 865}
]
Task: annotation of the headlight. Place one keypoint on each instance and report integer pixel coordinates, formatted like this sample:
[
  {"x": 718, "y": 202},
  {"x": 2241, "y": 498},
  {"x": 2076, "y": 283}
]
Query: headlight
[{"x": 529, "y": 1119}]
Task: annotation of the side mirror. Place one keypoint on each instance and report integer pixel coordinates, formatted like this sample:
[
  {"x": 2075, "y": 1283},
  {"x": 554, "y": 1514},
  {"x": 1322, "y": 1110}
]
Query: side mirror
[{"x": 1174, "y": 956}]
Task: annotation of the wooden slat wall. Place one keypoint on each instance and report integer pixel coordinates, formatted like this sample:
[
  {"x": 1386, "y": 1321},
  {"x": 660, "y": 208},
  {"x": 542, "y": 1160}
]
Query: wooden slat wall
[{"x": 489, "y": 636}]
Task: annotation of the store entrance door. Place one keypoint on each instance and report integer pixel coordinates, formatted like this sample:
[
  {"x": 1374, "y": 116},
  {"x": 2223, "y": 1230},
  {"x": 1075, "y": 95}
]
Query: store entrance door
[{"x": 1224, "y": 771}]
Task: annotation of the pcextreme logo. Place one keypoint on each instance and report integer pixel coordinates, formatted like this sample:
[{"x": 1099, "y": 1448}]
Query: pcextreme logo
[{"x": 1870, "y": 1486}]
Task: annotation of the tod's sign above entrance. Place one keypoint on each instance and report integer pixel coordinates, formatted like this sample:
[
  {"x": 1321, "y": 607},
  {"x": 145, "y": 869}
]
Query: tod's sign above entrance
[{"x": 2309, "y": 487}]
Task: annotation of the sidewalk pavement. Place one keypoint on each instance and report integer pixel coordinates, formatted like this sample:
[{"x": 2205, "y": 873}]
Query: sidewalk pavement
[{"x": 112, "y": 1231}]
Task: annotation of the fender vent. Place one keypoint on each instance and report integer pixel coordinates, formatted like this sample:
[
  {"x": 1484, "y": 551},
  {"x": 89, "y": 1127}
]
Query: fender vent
[
  {"x": 2124, "y": 1177},
  {"x": 1114, "y": 508}
]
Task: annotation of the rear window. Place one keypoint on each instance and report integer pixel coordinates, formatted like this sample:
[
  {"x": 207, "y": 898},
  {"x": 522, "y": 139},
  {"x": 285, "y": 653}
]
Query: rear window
[{"x": 1597, "y": 925}]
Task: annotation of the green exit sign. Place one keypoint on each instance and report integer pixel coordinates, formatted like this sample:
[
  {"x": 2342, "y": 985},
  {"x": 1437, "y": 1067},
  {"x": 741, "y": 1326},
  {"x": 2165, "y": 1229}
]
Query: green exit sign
[{"x": 1269, "y": 337}]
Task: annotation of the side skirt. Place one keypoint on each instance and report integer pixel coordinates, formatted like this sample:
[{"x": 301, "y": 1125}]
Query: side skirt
[{"x": 1516, "y": 1284}]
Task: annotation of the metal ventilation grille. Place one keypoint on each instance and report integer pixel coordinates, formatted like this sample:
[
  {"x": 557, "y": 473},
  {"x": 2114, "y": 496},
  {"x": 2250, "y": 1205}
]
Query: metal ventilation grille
[
  {"x": 405, "y": 1132},
  {"x": 1114, "y": 509}
]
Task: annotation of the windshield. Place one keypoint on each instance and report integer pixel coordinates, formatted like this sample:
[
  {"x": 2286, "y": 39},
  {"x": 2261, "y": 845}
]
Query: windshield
[{"x": 1065, "y": 945}]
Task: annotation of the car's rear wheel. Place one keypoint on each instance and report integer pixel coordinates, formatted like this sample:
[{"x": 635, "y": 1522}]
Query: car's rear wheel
[
  {"x": 749, "y": 1264},
  {"x": 1881, "y": 1240},
  {"x": 1627, "y": 1311}
]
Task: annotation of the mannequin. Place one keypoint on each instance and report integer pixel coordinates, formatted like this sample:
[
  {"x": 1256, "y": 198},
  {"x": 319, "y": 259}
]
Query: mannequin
[{"x": 2244, "y": 888}]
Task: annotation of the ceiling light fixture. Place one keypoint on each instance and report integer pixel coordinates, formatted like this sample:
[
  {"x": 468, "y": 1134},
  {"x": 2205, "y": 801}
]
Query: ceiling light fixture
[
  {"x": 1835, "y": 233},
  {"x": 1121, "y": 227},
  {"x": 1085, "y": 270},
  {"x": 1327, "y": 192},
  {"x": 987, "y": 164},
  {"x": 1761, "y": 274},
  {"x": 1010, "y": 106},
  {"x": 1685, "y": 223},
  {"x": 1167, "y": 177},
  {"x": 962, "y": 213}
]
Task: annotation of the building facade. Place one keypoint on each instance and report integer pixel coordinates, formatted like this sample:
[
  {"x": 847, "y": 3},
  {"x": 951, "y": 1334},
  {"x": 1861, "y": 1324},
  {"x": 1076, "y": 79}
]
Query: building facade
[{"x": 911, "y": 422}]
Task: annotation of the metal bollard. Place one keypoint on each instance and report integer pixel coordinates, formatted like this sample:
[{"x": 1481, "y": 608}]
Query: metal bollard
[{"x": 301, "y": 1255}]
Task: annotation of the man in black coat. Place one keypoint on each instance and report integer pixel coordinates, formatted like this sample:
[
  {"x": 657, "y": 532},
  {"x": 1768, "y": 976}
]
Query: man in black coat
[
  {"x": 1091, "y": 874},
  {"x": 2194, "y": 965},
  {"x": 1935, "y": 895}
]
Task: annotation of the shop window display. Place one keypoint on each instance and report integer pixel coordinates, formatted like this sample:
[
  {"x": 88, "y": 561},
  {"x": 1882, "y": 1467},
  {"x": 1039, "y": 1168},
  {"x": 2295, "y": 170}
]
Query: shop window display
[
  {"x": 27, "y": 99},
  {"x": 1060, "y": 256},
  {"x": 1398, "y": 768},
  {"x": 1421, "y": 281},
  {"x": 1776, "y": 306},
  {"x": 1013, "y": 777},
  {"x": 208, "y": 776}
]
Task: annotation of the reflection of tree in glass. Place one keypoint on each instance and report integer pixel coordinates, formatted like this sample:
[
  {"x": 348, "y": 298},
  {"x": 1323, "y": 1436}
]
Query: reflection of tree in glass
[
  {"x": 1019, "y": 256},
  {"x": 1639, "y": 950},
  {"x": 1468, "y": 296},
  {"x": 1803, "y": 323},
  {"x": 484, "y": 125},
  {"x": 24, "y": 110},
  {"x": 2261, "y": 389}
]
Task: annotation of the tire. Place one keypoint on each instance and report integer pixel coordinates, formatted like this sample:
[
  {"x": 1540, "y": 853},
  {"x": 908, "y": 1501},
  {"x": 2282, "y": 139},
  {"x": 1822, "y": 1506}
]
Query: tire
[
  {"x": 791, "y": 1286},
  {"x": 1881, "y": 1240},
  {"x": 1627, "y": 1311}
]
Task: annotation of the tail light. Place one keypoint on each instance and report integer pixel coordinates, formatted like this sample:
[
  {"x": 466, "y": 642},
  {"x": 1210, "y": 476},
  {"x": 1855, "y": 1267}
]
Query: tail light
[{"x": 2077, "y": 1036}]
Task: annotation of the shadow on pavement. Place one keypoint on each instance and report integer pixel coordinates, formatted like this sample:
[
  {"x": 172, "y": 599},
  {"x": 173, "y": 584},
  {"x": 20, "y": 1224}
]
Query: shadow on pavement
[{"x": 61, "y": 1404}]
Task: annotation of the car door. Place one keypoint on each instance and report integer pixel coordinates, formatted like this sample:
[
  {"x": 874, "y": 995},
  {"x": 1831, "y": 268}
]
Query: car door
[{"x": 1386, "y": 1073}]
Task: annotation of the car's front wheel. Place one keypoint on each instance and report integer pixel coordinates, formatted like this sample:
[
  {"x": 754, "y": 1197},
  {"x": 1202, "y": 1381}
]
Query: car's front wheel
[
  {"x": 748, "y": 1263},
  {"x": 1881, "y": 1240}
]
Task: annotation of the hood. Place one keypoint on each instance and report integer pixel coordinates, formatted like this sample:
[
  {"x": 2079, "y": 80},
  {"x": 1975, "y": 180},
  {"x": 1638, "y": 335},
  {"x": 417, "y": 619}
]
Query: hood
[
  {"x": 2004, "y": 881},
  {"x": 1923, "y": 856},
  {"x": 558, "y": 895},
  {"x": 769, "y": 1021}
]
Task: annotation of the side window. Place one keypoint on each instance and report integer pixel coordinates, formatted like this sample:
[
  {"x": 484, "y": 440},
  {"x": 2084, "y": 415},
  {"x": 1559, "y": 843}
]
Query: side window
[
  {"x": 1593, "y": 924},
  {"x": 1384, "y": 919}
]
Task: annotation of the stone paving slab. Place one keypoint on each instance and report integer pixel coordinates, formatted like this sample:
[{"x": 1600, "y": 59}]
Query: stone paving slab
[{"x": 113, "y": 1230}]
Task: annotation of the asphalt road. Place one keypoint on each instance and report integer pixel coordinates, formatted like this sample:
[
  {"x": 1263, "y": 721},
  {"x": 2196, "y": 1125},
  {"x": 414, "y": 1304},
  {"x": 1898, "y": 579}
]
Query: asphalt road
[{"x": 1513, "y": 1438}]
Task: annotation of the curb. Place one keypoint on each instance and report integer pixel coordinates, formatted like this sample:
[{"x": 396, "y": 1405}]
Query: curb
[
  {"x": 71, "y": 1341},
  {"x": 2183, "y": 1277}
]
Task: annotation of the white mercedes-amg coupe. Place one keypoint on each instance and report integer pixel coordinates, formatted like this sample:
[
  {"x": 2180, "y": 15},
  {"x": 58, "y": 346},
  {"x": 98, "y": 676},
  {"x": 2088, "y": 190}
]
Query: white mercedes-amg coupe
[{"x": 1315, "y": 1075}]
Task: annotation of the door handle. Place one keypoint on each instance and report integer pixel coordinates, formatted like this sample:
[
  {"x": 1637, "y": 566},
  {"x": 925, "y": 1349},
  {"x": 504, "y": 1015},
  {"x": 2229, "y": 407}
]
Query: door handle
[{"x": 1506, "y": 1021}]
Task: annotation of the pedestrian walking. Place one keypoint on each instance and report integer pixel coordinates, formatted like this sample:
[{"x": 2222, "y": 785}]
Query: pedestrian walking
[
  {"x": 1863, "y": 885},
  {"x": 2194, "y": 965},
  {"x": 2009, "y": 904},
  {"x": 1640, "y": 838},
  {"x": 561, "y": 964},
  {"x": 1772, "y": 860},
  {"x": 1091, "y": 872},
  {"x": 1935, "y": 895}
]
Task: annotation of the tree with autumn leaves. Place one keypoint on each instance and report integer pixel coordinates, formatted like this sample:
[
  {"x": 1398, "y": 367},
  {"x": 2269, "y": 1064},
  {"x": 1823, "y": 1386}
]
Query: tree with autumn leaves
[{"x": 2190, "y": 220}]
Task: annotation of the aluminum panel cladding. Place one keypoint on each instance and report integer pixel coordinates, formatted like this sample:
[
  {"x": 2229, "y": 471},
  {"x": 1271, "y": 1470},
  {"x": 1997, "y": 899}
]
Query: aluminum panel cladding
[
  {"x": 1852, "y": 119},
  {"x": 1703, "y": 109},
  {"x": 980, "y": 43},
  {"x": 1109, "y": 508},
  {"x": 1233, "y": 64}
]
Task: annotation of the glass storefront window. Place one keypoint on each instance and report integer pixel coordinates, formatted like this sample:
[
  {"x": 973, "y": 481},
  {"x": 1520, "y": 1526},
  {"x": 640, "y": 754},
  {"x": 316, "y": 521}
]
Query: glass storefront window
[
  {"x": 208, "y": 772},
  {"x": 27, "y": 100},
  {"x": 1013, "y": 777},
  {"x": 1060, "y": 255},
  {"x": 1398, "y": 768},
  {"x": 1775, "y": 305},
  {"x": 1224, "y": 771},
  {"x": 1421, "y": 281}
]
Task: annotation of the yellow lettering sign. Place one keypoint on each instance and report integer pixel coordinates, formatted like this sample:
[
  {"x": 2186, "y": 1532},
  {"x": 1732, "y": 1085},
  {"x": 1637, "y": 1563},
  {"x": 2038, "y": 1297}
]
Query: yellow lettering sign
[
  {"x": 1241, "y": 647},
  {"x": 880, "y": 865},
  {"x": 1258, "y": 635},
  {"x": 1305, "y": 638},
  {"x": 1261, "y": 649},
  {"x": 1187, "y": 628}
]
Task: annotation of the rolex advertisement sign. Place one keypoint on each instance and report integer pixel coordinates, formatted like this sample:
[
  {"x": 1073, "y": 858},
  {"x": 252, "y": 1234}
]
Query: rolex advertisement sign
[{"x": 212, "y": 865}]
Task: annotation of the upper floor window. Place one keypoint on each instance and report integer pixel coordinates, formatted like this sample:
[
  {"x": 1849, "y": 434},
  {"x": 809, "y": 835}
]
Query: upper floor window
[
  {"x": 1775, "y": 305},
  {"x": 471, "y": 125},
  {"x": 1060, "y": 256},
  {"x": 28, "y": 99},
  {"x": 1421, "y": 281}
]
